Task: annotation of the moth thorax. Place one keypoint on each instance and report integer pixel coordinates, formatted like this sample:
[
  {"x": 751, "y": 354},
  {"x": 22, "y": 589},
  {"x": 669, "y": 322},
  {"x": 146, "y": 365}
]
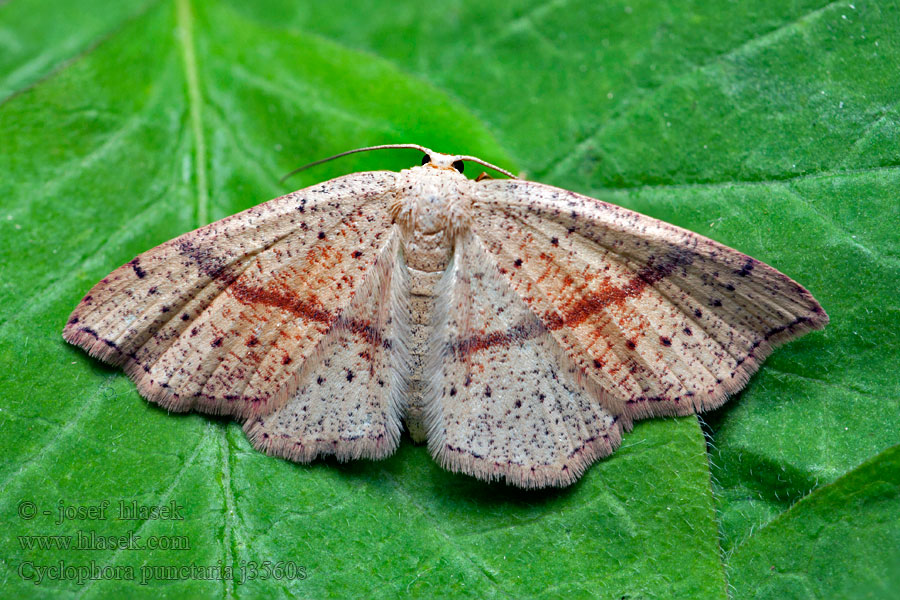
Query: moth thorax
[
  {"x": 430, "y": 199},
  {"x": 431, "y": 209}
]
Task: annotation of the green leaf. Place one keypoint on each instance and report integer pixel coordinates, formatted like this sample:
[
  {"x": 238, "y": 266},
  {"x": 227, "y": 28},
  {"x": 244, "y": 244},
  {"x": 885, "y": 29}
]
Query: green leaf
[
  {"x": 842, "y": 541},
  {"x": 772, "y": 127}
]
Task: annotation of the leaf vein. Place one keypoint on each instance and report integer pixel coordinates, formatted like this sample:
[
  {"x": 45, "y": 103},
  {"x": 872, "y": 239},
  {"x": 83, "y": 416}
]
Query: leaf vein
[{"x": 195, "y": 102}]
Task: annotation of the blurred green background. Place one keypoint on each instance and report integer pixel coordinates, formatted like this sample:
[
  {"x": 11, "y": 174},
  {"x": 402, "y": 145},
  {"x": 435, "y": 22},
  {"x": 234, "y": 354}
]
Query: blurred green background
[{"x": 772, "y": 127}]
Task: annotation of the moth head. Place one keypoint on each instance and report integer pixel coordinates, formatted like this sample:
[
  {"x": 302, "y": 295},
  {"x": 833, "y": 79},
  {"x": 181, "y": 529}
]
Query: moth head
[
  {"x": 456, "y": 162},
  {"x": 443, "y": 161}
]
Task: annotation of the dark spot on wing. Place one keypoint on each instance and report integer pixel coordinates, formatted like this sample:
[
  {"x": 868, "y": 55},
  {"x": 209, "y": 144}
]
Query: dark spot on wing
[{"x": 136, "y": 266}]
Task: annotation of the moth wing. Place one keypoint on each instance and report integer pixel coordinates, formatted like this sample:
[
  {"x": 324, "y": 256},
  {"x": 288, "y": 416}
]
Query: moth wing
[
  {"x": 503, "y": 400},
  {"x": 223, "y": 319},
  {"x": 664, "y": 321},
  {"x": 352, "y": 392}
]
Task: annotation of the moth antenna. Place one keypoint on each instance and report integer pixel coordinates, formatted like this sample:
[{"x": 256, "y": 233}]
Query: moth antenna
[
  {"x": 428, "y": 152},
  {"x": 484, "y": 163},
  {"x": 366, "y": 149}
]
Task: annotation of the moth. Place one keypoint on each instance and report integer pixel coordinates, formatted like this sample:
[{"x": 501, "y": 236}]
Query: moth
[{"x": 516, "y": 327}]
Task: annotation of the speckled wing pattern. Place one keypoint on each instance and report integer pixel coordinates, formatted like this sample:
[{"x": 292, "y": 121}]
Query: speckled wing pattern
[
  {"x": 218, "y": 320},
  {"x": 626, "y": 317},
  {"x": 505, "y": 401},
  {"x": 352, "y": 394},
  {"x": 519, "y": 327}
]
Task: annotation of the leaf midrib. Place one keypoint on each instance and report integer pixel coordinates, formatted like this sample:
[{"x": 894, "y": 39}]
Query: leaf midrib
[{"x": 185, "y": 35}]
